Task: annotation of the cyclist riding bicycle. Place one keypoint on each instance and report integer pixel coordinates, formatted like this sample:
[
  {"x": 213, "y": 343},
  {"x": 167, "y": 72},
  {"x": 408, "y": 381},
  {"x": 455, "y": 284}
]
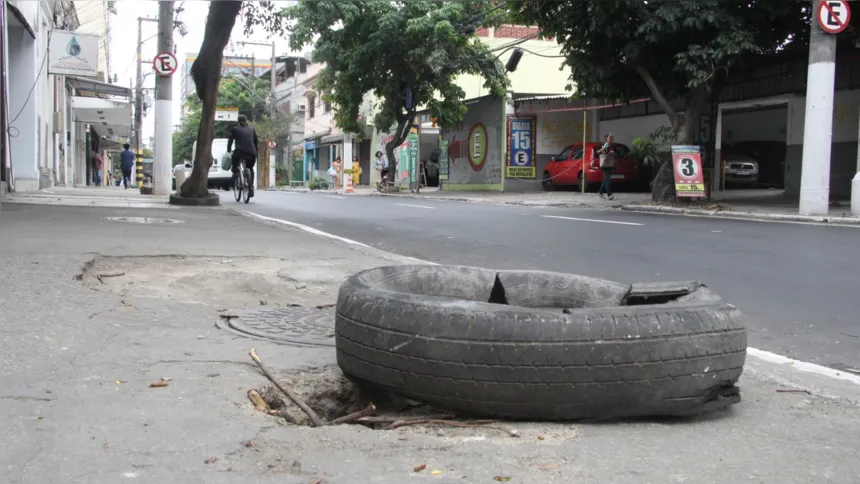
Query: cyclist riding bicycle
[{"x": 246, "y": 148}]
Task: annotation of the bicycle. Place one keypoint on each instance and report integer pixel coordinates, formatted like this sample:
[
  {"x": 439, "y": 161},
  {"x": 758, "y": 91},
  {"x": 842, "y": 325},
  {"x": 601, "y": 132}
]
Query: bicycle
[{"x": 243, "y": 183}]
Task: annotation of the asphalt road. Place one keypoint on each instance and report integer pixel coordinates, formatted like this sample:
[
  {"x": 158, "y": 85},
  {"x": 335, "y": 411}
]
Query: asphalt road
[{"x": 798, "y": 284}]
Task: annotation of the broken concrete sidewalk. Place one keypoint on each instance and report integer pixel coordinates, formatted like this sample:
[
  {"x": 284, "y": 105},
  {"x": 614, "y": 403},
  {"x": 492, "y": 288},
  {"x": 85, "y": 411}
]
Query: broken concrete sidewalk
[{"x": 79, "y": 356}]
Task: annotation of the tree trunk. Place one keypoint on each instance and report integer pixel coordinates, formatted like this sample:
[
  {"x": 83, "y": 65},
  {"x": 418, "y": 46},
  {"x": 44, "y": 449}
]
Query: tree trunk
[
  {"x": 403, "y": 126},
  {"x": 684, "y": 125},
  {"x": 206, "y": 72}
]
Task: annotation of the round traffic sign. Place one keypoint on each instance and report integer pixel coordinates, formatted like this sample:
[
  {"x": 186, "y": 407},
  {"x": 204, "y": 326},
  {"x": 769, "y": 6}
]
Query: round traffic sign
[
  {"x": 165, "y": 64},
  {"x": 271, "y": 143},
  {"x": 833, "y": 15}
]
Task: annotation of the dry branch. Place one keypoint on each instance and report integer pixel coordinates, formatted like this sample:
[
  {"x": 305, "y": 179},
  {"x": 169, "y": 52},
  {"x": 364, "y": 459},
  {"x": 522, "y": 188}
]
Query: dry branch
[
  {"x": 355, "y": 415},
  {"x": 315, "y": 419}
]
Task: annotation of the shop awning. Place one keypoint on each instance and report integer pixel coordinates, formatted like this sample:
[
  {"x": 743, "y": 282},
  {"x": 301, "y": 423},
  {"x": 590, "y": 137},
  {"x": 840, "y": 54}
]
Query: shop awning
[
  {"x": 108, "y": 118},
  {"x": 318, "y": 134},
  {"x": 331, "y": 139},
  {"x": 98, "y": 87}
]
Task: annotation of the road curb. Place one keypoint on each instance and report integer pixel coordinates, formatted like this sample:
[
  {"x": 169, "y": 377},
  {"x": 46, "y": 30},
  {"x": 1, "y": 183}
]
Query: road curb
[
  {"x": 773, "y": 217},
  {"x": 496, "y": 202}
]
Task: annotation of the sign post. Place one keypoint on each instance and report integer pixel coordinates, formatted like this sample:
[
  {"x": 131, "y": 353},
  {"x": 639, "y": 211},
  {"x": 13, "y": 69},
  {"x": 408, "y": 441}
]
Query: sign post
[
  {"x": 522, "y": 139},
  {"x": 444, "y": 159},
  {"x": 412, "y": 141},
  {"x": 689, "y": 176}
]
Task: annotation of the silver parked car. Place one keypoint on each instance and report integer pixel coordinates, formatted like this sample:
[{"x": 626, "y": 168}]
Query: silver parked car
[{"x": 741, "y": 168}]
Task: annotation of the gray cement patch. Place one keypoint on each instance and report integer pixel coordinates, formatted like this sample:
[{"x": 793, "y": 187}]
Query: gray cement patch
[
  {"x": 223, "y": 282},
  {"x": 145, "y": 220}
]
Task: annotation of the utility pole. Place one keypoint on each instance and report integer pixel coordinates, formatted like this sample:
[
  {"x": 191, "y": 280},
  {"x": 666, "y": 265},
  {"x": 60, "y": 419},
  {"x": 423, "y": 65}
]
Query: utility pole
[
  {"x": 818, "y": 127},
  {"x": 273, "y": 72},
  {"x": 163, "y": 106},
  {"x": 138, "y": 104},
  {"x": 253, "y": 83}
]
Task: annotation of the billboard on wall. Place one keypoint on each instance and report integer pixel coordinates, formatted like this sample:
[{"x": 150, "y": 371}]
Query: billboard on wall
[
  {"x": 73, "y": 54},
  {"x": 522, "y": 137}
]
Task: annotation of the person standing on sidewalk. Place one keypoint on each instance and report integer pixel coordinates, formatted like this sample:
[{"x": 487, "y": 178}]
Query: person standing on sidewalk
[
  {"x": 126, "y": 162},
  {"x": 607, "y": 166},
  {"x": 380, "y": 164},
  {"x": 97, "y": 169}
]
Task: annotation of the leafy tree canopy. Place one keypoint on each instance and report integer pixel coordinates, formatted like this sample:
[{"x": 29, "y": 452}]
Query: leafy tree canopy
[
  {"x": 248, "y": 93},
  {"x": 386, "y": 48},
  {"x": 666, "y": 49},
  {"x": 670, "y": 50}
]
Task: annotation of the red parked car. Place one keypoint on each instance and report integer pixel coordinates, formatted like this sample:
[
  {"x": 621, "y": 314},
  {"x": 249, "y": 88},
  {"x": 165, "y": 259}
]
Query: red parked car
[{"x": 566, "y": 168}]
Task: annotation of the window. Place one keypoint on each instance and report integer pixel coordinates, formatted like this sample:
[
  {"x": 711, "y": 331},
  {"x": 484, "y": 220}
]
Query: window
[
  {"x": 312, "y": 105},
  {"x": 327, "y": 107},
  {"x": 577, "y": 153},
  {"x": 564, "y": 155}
]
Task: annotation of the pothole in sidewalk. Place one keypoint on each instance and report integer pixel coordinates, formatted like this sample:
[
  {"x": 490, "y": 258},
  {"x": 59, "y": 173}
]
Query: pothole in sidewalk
[
  {"x": 333, "y": 396},
  {"x": 222, "y": 282},
  {"x": 145, "y": 220}
]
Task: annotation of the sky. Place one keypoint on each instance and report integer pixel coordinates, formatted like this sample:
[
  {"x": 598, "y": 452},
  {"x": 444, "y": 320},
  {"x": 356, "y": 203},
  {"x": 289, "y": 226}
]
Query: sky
[{"x": 124, "y": 46}]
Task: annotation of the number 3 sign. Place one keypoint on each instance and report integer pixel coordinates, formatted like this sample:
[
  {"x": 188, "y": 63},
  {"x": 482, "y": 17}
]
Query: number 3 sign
[{"x": 689, "y": 178}]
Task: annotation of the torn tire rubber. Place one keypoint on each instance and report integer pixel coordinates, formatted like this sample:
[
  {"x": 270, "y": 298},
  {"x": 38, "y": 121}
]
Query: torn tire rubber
[{"x": 536, "y": 345}]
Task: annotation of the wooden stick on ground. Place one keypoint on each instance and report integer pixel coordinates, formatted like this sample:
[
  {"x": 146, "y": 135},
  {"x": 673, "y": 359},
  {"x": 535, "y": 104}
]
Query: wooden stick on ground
[
  {"x": 391, "y": 420},
  {"x": 315, "y": 419},
  {"x": 404, "y": 423},
  {"x": 111, "y": 274},
  {"x": 355, "y": 415}
]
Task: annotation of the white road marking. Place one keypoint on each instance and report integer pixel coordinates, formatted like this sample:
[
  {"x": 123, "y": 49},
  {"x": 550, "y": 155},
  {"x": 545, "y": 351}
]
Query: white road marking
[
  {"x": 754, "y": 352},
  {"x": 803, "y": 366},
  {"x": 592, "y": 220},
  {"x": 334, "y": 196},
  {"x": 414, "y": 206}
]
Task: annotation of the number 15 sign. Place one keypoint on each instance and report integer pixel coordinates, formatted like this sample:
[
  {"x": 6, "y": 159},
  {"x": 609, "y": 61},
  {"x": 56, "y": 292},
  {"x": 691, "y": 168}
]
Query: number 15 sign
[
  {"x": 521, "y": 147},
  {"x": 689, "y": 177}
]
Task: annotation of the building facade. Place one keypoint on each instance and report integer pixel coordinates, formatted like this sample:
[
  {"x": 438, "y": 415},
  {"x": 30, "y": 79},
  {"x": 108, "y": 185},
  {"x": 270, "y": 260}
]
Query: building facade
[{"x": 58, "y": 103}]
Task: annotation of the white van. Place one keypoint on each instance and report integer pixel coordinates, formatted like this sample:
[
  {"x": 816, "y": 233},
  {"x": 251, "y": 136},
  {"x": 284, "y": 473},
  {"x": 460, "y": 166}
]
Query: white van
[{"x": 218, "y": 178}]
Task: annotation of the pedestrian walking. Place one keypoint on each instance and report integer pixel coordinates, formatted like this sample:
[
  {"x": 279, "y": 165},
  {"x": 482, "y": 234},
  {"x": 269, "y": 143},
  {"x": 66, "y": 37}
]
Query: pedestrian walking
[
  {"x": 380, "y": 164},
  {"x": 607, "y": 166},
  {"x": 356, "y": 171},
  {"x": 126, "y": 160},
  {"x": 97, "y": 169}
]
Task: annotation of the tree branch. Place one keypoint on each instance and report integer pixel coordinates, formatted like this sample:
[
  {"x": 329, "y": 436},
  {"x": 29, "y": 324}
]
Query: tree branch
[{"x": 657, "y": 93}]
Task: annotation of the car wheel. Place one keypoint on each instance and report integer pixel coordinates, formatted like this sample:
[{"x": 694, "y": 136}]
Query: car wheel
[
  {"x": 533, "y": 345},
  {"x": 547, "y": 183},
  {"x": 580, "y": 181}
]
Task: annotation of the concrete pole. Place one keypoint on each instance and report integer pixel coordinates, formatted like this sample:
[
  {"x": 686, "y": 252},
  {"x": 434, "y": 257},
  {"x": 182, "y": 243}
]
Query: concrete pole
[
  {"x": 855, "y": 184},
  {"x": 163, "y": 161},
  {"x": 817, "y": 128},
  {"x": 346, "y": 183}
]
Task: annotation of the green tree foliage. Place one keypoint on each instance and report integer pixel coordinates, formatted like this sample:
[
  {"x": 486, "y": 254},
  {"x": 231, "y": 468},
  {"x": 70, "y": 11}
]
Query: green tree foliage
[
  {"x": 251, "y": 95},
  {"x": 386, "y": 48},
  {"x": 669, "y": 50}
]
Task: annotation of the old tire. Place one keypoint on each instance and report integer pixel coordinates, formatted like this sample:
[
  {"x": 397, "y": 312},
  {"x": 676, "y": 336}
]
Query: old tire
[{"x": 550, "y": 347}]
